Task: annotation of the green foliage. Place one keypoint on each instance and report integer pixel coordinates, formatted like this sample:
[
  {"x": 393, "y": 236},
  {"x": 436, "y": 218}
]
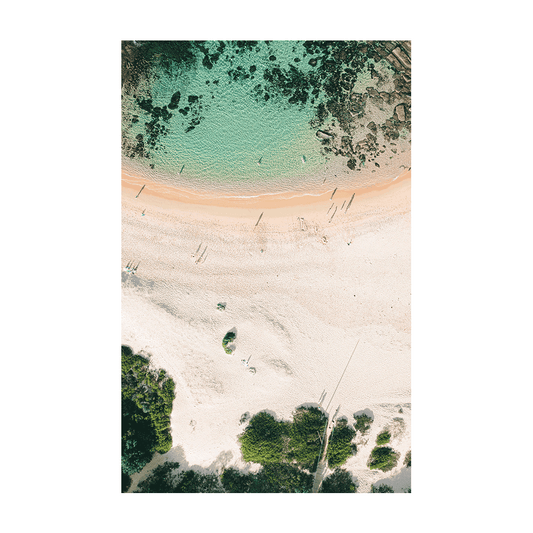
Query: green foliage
[
  {"x": 267, "y": 441},
  {"x": 339, "y": 481},
  {"x": 262, "y": 440},
  {"x": 161, "y": 479},
  {"x": 339, "y": 446},
  {"x": 383, "y": 437},
  {"x": 126, "y": 482},
  {"x": 166, "y": 478},
  {"x": 191, "y": 481},
  {"x": 147, "y": 398},
  {"x": 362, "y": 423},
  {"x": 381, "y": 488},
  {"x": 230, "y": 336},
  {"x": 305, "y": 433},
  {"x": 272, "y": 478},
  {"x": 138, "y": 437},
  {"x": 234, "y": 481},
  {"x": 407, "y": 460},
  {"x": 286, "y": 478},
  {"x": 383, "y": 458}
]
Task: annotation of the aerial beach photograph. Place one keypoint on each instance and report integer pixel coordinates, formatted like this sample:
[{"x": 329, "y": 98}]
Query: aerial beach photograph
[{"x": 266, "y": 266}]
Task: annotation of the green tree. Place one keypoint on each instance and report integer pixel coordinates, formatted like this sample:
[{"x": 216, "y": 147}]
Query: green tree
[
  {"x": 161, "y": 479},
  {"x": 262, "y": 440},
  {"x": 383, "y": 458},
  {"x": 126, "y": 482},
  {"x": 383, "y": 437},
  {"x": 235, "y": 481},
  {"x": 305, "y": 435},
  {"x": 362, "y": 423},
  {"x": 340, "y": 446},
  {"x": 167, "y": 478},
  {"x": 339, "y": 481},
  {"x": 407, "y": 460},
  {"x": 147, "y": 398},
  {"x": 280, "y": 477},
  {"x": 382, "y": 488}
]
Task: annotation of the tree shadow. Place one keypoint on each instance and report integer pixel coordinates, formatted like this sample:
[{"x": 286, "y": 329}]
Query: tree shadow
[
  {"x": 367, "y": 412},
  {"x": 131, "y": 280},
  {"x": 399, "y": 482}
]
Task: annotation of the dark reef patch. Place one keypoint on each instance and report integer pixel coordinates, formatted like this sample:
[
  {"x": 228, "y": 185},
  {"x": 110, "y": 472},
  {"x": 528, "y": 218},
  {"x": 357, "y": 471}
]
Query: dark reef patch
[{"x": 326, "y": 78}]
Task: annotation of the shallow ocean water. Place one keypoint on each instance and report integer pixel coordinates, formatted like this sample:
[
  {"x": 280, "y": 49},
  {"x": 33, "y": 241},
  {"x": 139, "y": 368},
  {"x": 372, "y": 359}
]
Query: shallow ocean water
[{"x": 224, "y": 129}]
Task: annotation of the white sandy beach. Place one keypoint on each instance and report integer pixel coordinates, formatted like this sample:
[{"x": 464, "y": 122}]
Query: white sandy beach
[{"x": 299, "y": 299}]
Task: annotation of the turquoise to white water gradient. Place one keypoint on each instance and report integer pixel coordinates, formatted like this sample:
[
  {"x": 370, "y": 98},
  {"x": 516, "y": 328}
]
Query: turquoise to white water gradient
[
  {"x": 238, "y": 128},
  {"x": 236, "y": 131}
]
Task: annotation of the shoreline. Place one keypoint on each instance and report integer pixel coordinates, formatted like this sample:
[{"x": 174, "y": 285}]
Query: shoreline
[{"x": 167, "y": 196}]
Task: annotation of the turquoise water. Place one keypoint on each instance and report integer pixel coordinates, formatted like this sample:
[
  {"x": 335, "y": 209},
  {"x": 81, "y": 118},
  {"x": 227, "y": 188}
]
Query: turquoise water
[
  {"x": 206, "y": 122},
  {"x": 236, "y": 130}
]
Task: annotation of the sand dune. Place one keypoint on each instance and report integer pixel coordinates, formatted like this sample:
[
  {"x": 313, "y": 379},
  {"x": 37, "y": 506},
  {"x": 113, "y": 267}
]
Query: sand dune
[{"x": 300, "y": 288}]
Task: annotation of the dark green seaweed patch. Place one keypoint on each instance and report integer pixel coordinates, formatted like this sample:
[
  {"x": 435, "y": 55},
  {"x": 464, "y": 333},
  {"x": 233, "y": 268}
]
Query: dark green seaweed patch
[
  {"x": 325, "y": 80},
  {"x": 140, "y": 57},
  {"x": 147, "y": 397}
]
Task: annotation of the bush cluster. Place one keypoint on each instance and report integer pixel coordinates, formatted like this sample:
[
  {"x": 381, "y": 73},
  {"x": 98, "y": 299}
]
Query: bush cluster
[
  {"x": 362, "y": 423},
  {"x": 263, "y": 440},
  {"x": 339, "y": 481},
  {"x": 229, "y": 337},
  {"x": 167, "y": 478},
  {"x": 407, "y": 460},
  {"x": 147, "y": 397},
  {"x": 272, "y": 478},
  {"x": 340, "y": 446},
  {"x": 267, "y": 440},
  {"x": 383, "y": 437},
  {"x": 305, "y": 434},
  {"x": 383, "y": 458},
  {"x": 381, "y": 488}
]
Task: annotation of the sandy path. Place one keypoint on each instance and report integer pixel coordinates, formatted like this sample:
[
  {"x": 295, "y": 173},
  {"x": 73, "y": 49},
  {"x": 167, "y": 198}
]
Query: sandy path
[{"x": 299, "y": 299}]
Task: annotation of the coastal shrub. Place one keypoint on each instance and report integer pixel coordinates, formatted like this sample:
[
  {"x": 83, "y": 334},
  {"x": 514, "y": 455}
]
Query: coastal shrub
[
  {"x": 147, "y": 398},
  {"x": 383, "y": 458},
  {"x": 272, "y": 478},
  {"x": 235, "y": 481},
  {"x": 362, "y": 423},
  {"x": 383, "y": 437},
  {"x": 262, "y": 440},
  {"x": 339, "y": 481},
  {"x": 339, "y": 445},
  {"x": 126, "y": 482},
  {"x": 192, "y": 481},
  {"x": 407, "y": 460},
  {"x": 167, "y": 478},
  {"x": 160, "y": 480},
  {"x": 283, "y": 478},
  {"x": 229, "y": 337},
  {"x": 381, "y": 488},
  {"x": 305, "y": 433},
  {"x": 138, "y": 438}
]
